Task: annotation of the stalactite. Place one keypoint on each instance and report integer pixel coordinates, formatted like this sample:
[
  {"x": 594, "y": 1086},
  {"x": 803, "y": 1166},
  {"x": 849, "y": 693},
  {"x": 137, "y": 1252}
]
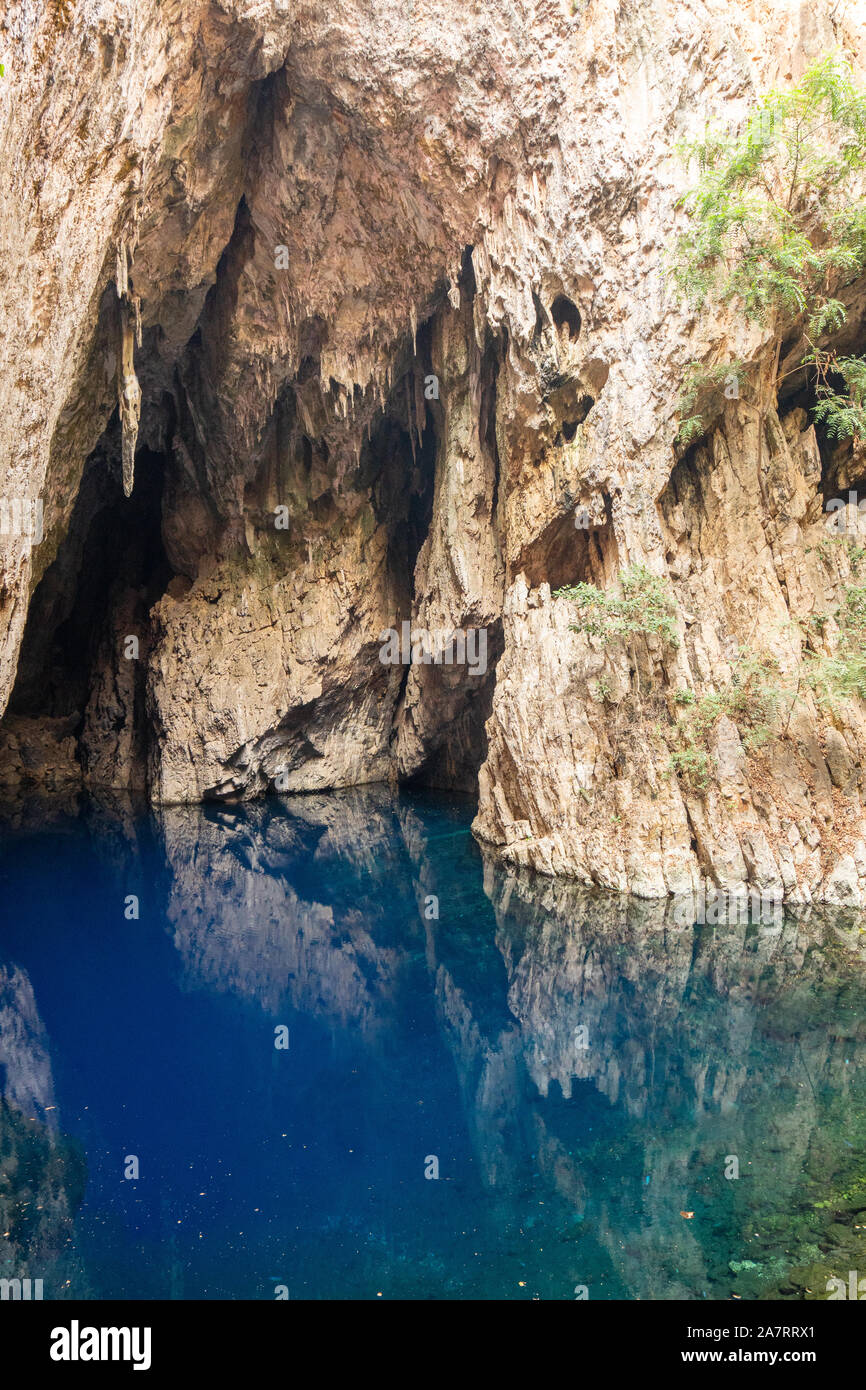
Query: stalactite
[
  {"x": 121, "y": 272},
  {"x": 420, "y": 404},
  {"x": 128, "y": 389},
  {"x": 410, "y": 422}
]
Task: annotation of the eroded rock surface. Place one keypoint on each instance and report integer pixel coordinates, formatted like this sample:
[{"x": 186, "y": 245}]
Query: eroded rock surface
[{"x": 391, "y": 289}]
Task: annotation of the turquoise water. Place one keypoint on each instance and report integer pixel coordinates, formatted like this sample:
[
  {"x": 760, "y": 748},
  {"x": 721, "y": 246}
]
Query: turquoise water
[{"x": 580, "y": 1069}]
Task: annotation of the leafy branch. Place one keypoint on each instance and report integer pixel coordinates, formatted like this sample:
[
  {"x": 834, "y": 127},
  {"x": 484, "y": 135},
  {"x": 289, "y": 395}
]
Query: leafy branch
[
  {"x": 773, "y": 226},
  {"x": 646, "y": 605}
]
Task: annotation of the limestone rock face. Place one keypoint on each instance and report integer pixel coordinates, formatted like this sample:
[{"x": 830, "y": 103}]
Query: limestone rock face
[{"x": 369, "y": 313}]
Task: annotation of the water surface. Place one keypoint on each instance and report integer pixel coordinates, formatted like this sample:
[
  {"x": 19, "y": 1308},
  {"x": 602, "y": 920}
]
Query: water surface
[{"x": 581, "y": 1069}]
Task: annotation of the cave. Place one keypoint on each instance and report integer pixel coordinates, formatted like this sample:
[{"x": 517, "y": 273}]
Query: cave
[
  {"x": 570, "y": 550},
  {"x": 566, "y": 317},
  {"x": 570, "y": 427},
  {"x": 843, "y": 466},
  {"x": 82, "y": 663},
  {"x": 354, "y": 868},
  {"x": 83, "y": 669}
]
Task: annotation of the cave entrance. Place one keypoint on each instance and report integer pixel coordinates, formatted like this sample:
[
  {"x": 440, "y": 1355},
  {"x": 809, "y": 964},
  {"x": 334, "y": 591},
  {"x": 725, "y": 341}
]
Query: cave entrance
[
  {"x": 571, "y": 549},
  {"x": 462, "y": 696},
  {"x": 81, "y": 669},
  {"x": 566, "y": 318},
  {"x": 843, "y": 465}
]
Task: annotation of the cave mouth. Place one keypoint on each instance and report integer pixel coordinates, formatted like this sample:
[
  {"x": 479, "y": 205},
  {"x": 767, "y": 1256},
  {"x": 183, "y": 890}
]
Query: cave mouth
[
  {"x": 398, "y": 466},
  {"x": 582, "y": 409},
  {"x": 81, "y": 670},
  {"x": 843, "y": 467},
  {"x": 454, "y": 757},
  {"x": 570, "y": 550},
  {"x": 566, "y": 317},
  {"x": 83, "y": 710}
]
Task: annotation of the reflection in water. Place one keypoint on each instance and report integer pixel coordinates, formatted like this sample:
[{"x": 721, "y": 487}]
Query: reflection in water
[
  {"x": 617, "y": 1100},
  {"x": 41, "y": 1176}
]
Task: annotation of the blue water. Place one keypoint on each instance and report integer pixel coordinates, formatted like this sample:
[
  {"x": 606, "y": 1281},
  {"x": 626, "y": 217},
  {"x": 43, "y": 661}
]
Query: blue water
[{"x": 582, "y": 1068}]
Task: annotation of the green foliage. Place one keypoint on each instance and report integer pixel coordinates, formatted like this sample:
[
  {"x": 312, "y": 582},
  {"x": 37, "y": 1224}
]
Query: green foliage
[
  {"x": 772, "y": 224},
  {"x": 692, "y": 765},
  {"x": 702, "y": 383},
  {"x": 754, "y": 697},
  {"x": 645, "y": 605},
  {"x": 843, "y": 414},
  {"x": 691, "y": 428},
  {"x": 843, "y": 674},
  {"x": 854, "y": 612},
  {"x": 751, "y": 700},
  {"x": 825, "y": 547}
]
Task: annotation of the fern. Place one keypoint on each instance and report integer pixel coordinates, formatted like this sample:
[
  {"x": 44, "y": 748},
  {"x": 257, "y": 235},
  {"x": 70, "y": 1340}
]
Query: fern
[{"x": 843, "y": 413}]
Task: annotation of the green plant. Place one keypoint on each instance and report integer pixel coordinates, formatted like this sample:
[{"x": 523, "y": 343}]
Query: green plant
[
  {"x": 754, "y": 697},
  {"x": 751, "y": 700},
  {"x": 700, "y": 383},
  {"x": 774, "y": 225},
  {"x": 854, "y": 612},
  {"x": 692, "y": 765},
  {"x": 825, "y": 547},
  {"x": 843, "y": 413},
  {"x": 842, "y": 674},
  {"x": 645, "y": 605}
]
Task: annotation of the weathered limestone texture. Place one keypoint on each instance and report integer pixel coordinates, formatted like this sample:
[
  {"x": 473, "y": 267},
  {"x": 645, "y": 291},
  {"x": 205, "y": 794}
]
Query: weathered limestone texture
[{"x": 314, "y": 322}]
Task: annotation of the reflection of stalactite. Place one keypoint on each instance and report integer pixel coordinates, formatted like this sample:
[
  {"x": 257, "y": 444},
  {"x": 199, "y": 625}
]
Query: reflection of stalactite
[{"x": 128, "y": 389}]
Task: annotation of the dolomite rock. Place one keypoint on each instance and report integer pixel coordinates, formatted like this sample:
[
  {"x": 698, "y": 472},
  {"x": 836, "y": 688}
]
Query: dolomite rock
[{"x": 308, "y": 221}]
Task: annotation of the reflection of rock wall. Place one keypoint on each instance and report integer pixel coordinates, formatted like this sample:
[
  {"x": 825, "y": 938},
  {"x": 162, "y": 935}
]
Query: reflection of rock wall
[
  {"x": 26, "y": 1082},
  {"x": 42, "y": 1180},
  {"x": 728, "y": 1038},
  {"x": 240, "y": 925},
  {"x": 627, "y": 970},
  {"x": 490, "y": 1071},
  {"x": 41, "y": 1176},
  {"x": 702, "y": 1042},
  {"x": 482, "y": 1036}
]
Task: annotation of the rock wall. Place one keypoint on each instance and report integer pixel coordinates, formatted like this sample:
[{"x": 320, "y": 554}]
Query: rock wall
[{"x": 376, "y": 306}]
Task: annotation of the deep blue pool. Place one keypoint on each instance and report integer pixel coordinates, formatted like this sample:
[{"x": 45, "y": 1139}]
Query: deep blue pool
[{"x": 580, "y": 1069}]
